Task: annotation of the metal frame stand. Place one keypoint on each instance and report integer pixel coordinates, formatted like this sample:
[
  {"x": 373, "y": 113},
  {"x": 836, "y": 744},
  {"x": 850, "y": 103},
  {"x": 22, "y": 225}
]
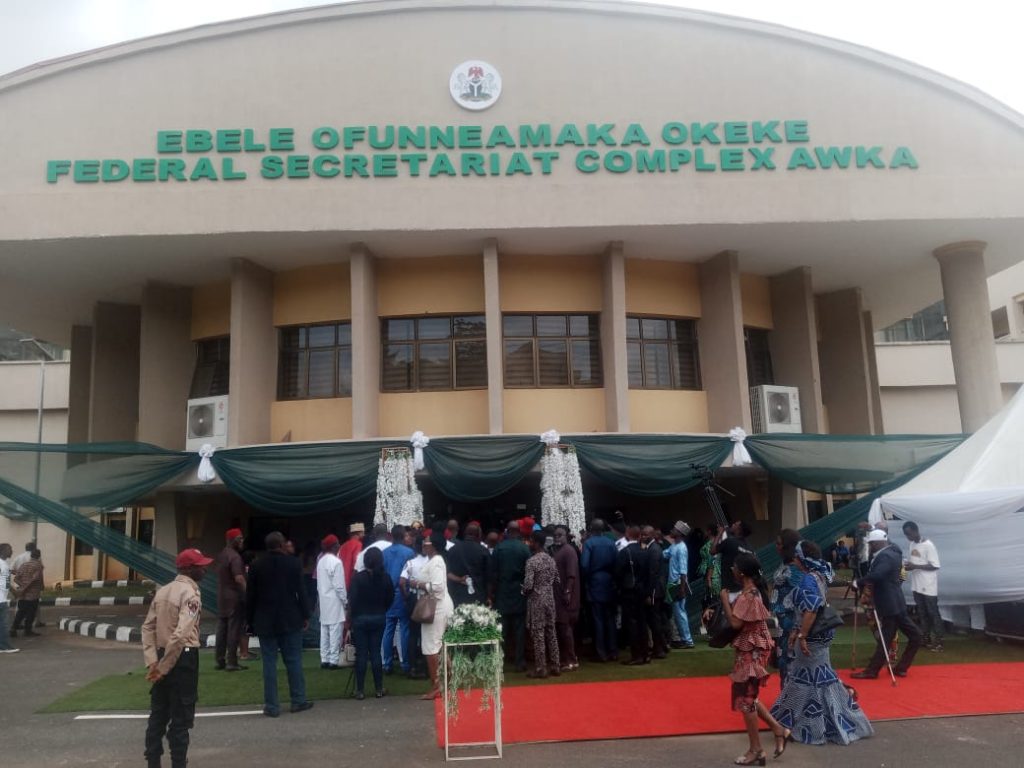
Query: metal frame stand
[{"x": 495, "y": 706}]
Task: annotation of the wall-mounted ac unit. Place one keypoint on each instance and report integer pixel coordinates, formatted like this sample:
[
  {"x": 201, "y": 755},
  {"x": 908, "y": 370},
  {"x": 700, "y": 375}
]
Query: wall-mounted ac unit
[
  {"x": 775, "y": 409},
  {"x": 207, "y": 422}
]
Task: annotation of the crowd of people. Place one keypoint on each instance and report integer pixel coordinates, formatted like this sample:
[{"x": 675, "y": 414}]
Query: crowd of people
[
  {"x": 628, "y": 586},
  {"x": 21, "y": 578}
]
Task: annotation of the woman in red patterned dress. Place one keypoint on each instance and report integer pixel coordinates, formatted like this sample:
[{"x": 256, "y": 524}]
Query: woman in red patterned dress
[{"x": 747, "y": 614}]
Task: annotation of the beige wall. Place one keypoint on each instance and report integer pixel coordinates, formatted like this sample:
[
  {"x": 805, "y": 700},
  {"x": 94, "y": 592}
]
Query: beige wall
[
  {"x": 435, "y": 285},
  {"x": 297, "y": 421},
  {"x": 319, "y": 294},
  {"x": 756, "y": 294},
  {"x": 668, "y": 288},
  {"x": 566, "y": 410},
  {"x": 211, "y": 310},
  {"x": 433, "y": 413},
  {"x": 654, "y": 410},
  {"x": 551, "y": 283}
]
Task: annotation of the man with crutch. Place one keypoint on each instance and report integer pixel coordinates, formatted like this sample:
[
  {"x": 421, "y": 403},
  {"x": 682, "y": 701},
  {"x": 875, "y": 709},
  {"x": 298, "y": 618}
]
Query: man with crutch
[{"x": 890, "y": 608}]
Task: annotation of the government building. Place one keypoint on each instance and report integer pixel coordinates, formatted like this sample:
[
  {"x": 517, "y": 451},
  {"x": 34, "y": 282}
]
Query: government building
[{"x": 482, "y": 218}]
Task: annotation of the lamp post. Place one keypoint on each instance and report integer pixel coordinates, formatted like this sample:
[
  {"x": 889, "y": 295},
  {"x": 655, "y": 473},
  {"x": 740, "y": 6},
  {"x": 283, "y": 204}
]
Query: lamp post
[{"x": 46, "y": 356}]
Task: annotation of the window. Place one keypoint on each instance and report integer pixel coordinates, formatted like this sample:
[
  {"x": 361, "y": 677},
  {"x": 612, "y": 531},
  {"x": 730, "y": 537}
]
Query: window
[
  {"x": 759, "y": 357},
  {"x": 315, "y": 361},
  {"x": 213, "y": 367},
  {"x": 1000, "y": 322},
  {"x": 661, "y": 353},
  {"x": 547, "y": 351},
  {"x": 435, "y": 353}
]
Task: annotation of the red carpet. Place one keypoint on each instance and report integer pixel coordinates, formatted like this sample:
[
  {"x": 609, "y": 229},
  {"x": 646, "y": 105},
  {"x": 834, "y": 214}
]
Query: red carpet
[{"x": 680, "y": 706}]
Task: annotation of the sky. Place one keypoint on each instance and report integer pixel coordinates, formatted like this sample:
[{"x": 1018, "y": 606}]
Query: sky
[{"x": 977, "y": 42}]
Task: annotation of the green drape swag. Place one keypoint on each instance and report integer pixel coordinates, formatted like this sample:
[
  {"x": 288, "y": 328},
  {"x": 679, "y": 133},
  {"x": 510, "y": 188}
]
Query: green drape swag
[{"x": 480, "y": 468}]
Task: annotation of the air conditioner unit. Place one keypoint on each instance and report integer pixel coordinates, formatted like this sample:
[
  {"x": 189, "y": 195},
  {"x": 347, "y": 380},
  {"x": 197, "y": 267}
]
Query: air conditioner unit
[
  {"x": 207, "y": 422},
  {"x": 775, "y": 409}
]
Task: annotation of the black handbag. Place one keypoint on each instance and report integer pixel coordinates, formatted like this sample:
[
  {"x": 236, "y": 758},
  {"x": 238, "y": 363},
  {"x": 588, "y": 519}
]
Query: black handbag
[
  {"x": 828, "y": 618},
  {"x": 720, "y": 631}
]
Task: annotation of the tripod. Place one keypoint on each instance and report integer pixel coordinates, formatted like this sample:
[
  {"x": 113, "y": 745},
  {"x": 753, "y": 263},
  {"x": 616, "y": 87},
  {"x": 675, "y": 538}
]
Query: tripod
[{"x": 710, "y": 489}]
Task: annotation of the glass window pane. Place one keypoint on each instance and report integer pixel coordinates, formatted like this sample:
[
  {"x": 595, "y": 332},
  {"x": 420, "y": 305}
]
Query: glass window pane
[
  {"x": 552, "y": 363},
  {"x": 435, "y": 366},
  {"x": 657, "y": 372},
  {"x": 586, "y": 364},
  {"x": 653, "y": 328},
  {"x": 687, "y": 366},
  {"x": 434, "y": 328},
  {"x": 632, "y": 327},
  {"x": 684, "y": 330},
  {"x": 519, "y": 363},
  {"x": 321, "y": 373},
  {"x": 633, "y": 364},
  {"x": 321, "y": 336},
  {"x": 396, "y": 368},
  {"x": 517, "y": 325},
  {"x": 291, "y": 374},
  {"x": 290, "y": 338},
  {"x": 551, "y": 325},
  {"x": 345, "y": 372},
  {"x": 583, "y": 325},
  {"x": 399, "y": 330},
  {"x": 344, "y": 334},
  {"x": 469, "y": 326},
  {"x": 470, "y": 364}
]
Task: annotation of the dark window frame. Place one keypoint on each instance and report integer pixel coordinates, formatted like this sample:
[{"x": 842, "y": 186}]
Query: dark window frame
[
  {"x": 673, "y": 344},
  {"x": 453, "y": 340},
  {"x": 593, "y": 338},
  {"x": 212, "y": 373},
  {"x": 304, "y": 349},
  {"x": 757, "y": 348}
]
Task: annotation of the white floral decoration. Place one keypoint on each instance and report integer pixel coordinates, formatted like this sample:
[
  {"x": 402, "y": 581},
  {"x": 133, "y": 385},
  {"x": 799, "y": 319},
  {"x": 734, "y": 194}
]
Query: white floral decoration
[
  {"x": 399, "y": 501},
  {"x": 562, "y": 490}
]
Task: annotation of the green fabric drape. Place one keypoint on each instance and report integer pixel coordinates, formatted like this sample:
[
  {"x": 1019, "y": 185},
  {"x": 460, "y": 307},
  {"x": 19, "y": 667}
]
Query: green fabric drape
[
  {"x": 302, "y": 479},
  {"x": 648, "y": 465},
  {"x": 480, "y": 468},
  {"x": 846, "y": 463},
  {"x": 152, "y": 563}
]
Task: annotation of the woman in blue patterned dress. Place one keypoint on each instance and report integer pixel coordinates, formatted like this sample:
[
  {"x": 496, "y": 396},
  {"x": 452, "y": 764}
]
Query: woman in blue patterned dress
[
  {"x": 784, "y": 584},
  {"x": 814, "y": 703}
]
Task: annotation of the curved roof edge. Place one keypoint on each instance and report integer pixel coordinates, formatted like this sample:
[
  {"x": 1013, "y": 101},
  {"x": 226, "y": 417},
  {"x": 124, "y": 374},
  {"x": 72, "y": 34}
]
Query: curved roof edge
[{"x": 45, "y": 69}]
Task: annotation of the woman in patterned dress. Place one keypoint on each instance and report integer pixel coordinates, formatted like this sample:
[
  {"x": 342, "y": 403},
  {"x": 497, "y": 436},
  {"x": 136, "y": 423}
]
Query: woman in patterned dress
[
  {"x": 815, "y": 704},
  {"x": 785, "y": 581},
  {"x": 753, "y": 646}
]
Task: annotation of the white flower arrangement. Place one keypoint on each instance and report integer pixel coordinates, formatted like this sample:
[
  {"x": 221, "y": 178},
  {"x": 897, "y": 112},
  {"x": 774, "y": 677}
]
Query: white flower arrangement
[
  {"x": 562, "y": 490},
  {"x": 399, "y": 500}
]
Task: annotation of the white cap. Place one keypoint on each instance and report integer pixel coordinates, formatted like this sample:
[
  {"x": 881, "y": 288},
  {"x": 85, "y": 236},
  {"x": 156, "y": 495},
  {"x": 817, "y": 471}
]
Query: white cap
[{"x": 876, "y": 535}]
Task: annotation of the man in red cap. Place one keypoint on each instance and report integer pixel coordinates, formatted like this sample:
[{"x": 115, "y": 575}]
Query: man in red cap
[
  {"x": 330, "y": 586},
  {"x": 230, "y": 601},
  {"x": 170, "y": 646}
]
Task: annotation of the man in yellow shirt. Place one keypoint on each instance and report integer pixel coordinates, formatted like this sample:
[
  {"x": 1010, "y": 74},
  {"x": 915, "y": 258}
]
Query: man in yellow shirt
[{"x": 170, "y": 645}]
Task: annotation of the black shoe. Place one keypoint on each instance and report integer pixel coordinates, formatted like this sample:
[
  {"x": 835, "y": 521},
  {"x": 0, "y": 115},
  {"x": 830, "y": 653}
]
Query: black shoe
[
  {"x": 865, "y": 674},
  {"x": 303, "y": 706},
  {"x": 234, "y": 668},
  {"x": 360, "y": 696},
  {"x": 900, "y": 672},
  {"x": 333, "y": 667},
  {"x": 220, "y": 665},
  {"x": 271, "y": 712},
  {"x": 381, "y": 693},
  {"x": 635, "y": 662},
  {"x": 30, "y": 633},
  {"x": 324, "y": 665},
  {"x": 676, "y": 645},
  {"x": 660, "y": 656}
]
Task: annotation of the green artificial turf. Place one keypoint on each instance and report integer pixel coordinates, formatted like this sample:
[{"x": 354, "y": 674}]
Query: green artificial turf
[{"x": 131, "y": 691}]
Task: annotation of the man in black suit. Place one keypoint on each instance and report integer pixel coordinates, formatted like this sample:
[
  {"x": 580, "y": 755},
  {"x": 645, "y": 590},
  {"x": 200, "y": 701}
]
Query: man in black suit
[
  {"x": 468, "y": 563},
  {"x": 278, "y": 610},
  {"x": 654, "y": 590},
  {"x": 631, "y": 578},
  {"x": 884, "y": 577}
]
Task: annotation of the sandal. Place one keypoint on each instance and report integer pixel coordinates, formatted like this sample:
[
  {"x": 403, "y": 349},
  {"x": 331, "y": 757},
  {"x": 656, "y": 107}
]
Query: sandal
[
  {"x": 750, "y": 758},
  {"x": 430, "y": 696},
  {"x": 785, "y": 738}
]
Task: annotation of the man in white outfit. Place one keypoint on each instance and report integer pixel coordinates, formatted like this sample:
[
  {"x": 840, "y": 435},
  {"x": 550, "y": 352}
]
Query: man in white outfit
[{"x": 330, "y": 585}]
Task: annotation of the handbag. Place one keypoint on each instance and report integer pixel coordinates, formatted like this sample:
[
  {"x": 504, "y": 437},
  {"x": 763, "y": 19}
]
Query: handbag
[
  {"x": 828, "y": 618},
  {"x": 424, "y": 610},
  {"x": 720, "y": 631}
]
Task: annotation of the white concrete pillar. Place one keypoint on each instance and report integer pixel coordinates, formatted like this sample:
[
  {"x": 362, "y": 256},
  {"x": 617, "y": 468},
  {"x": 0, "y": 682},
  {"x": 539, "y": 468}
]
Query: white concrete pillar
[
  {"x": 167, "y": 358},
  {"x": 252, "y": 384},
  {"x": 614, "y": 361},
  {"x": 845, "y": 370},
  {"x": 495, "y": 350},
  {"x": 723, "y": 357},
  {"x": 365, "y": 345},
  {"x": 965, "y": 291},
  {"x": 794, "y": 343}
]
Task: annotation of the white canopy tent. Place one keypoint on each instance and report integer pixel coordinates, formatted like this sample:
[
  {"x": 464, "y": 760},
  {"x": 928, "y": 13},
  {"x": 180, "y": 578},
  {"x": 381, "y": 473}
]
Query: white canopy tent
[{"x": 971, "y": 505}]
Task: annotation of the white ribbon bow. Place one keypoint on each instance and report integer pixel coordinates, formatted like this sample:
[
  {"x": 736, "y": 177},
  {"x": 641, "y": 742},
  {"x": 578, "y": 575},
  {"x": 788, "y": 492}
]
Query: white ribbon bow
[
  {"x": 551, "y": 438},
  {"x": 740, "y": 454},
  {"x": 206, "y": 472},
  {"x": 419, "y": 442}
]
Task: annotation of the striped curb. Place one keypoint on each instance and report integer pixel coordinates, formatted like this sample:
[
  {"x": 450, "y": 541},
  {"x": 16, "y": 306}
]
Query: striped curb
[
  {"x": 125, "y": 634},
  {"x": 85, "y": 584},
  {"x": 64, "y": 602}
]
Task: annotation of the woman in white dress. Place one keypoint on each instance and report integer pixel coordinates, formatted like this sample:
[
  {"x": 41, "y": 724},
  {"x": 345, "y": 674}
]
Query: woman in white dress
[{"x": 433, "y": 580}]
